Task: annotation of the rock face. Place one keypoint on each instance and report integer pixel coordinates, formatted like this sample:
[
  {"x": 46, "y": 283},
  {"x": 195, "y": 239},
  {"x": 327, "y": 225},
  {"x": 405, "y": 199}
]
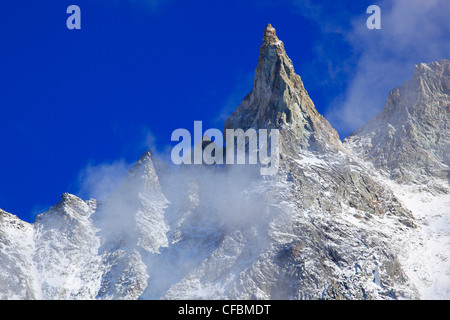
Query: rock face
[
  {"x": 410, "y": 138},
  {"x": 328, "y": 225},
  {"x": 279, "y": 100}
]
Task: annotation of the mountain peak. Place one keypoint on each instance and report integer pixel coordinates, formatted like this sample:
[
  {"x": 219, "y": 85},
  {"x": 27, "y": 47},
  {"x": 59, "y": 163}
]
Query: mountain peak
[
  {"x": 280, "y": 100},
  {"x": 270, "y": 35},
  {"x": 274, "y": 66},
  {"x": 145, "y": 162},
  {"x": 410, "y": 138},
  {"x": 70, "y": 206},
  {"x": 269, "y": 27},
  {"x": 146, "y": 156}
]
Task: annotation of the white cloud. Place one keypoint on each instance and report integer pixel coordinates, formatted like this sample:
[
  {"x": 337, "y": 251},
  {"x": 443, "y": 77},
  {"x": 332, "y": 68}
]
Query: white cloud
[
  {"x": 100, "y": 180},
  {"x": 412, "y": 31}
]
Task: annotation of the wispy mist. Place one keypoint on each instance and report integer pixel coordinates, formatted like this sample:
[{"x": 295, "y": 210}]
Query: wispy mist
[
  {"x": 176, "y": 217},
  {"x": 412, "y": 31},
  {"x": 100, "y": 180}
]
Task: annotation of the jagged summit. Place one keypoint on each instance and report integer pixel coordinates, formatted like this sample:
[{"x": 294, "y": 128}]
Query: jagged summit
[
  {"x": 146, "y": 154},
  {"x": 148, "y": 167},
  {"x": 146, "y": 159},
  {"x": 70, "y": 206},
  {"x": 410, "y": 137},
  {"x": 270, "y": 36},
  {"x": 280, "y": 100}
]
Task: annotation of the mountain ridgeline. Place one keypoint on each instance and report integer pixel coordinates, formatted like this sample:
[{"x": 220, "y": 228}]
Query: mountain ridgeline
[{"x": 339, "y": 220}]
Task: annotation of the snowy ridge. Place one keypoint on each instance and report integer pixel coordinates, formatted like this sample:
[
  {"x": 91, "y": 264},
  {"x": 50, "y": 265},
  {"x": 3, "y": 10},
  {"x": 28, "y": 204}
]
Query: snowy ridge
[{"x": 66, "y": 248}]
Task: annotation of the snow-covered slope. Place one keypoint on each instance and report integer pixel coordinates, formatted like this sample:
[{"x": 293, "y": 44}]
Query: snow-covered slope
[
  {"x": 335, "y": 222},
  {"x": 66, "y": 250},
  {"x": 427, "y": 248},
  {"x": 18, "y": 275}
]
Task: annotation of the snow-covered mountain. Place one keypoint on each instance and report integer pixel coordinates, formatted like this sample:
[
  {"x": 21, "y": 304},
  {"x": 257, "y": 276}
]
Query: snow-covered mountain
[
  {"x": 366, "y": 218},
  {"x": 410, "y": 139}
]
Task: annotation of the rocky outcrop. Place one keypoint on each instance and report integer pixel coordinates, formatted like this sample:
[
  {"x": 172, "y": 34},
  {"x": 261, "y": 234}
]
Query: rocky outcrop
[{"x": 410, "y": 138}]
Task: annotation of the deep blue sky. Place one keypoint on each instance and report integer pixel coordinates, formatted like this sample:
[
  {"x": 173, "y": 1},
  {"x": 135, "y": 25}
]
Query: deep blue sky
[{"x": 69, "y": 98}]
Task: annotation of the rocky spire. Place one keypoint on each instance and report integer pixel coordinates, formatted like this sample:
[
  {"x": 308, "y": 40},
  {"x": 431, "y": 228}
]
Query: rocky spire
[
  {"x": 274, "y": 68},
  {"x": 280, "y": 100}
]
